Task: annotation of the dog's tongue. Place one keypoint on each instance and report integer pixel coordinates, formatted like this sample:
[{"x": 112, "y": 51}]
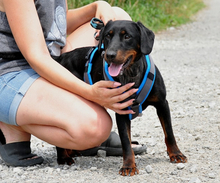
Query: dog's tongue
[{"x": 114, "y": 69}]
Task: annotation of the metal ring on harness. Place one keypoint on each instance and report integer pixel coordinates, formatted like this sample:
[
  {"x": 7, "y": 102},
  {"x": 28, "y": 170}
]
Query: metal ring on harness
[{"x": 96, "y": 23}]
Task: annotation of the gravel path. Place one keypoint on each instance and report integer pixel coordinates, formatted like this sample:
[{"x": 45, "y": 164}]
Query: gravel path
[{"x": 189, "y": 60}]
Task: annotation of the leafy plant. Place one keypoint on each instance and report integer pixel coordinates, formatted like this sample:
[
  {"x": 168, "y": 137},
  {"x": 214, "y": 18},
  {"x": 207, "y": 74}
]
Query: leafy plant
[{"x": 155, "y": 14}]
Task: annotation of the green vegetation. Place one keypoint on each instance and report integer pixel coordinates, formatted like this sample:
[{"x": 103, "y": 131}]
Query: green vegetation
[{"x": 155, "y": 14}]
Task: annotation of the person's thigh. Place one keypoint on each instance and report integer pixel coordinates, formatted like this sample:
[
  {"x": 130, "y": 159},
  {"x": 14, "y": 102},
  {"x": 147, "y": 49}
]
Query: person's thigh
[
  {"x": 62, "y": 118},
  {"x": 121, "y": 14},
  {"x": 81, "y": 37}
]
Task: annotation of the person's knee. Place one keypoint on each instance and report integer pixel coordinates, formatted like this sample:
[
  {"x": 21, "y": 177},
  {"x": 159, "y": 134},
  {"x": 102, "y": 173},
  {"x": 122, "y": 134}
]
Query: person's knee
[{"x": 99, "y": 130}]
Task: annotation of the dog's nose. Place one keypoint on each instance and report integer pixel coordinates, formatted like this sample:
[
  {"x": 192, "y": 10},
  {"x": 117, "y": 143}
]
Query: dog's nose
[{"x": 110, "y": 55}]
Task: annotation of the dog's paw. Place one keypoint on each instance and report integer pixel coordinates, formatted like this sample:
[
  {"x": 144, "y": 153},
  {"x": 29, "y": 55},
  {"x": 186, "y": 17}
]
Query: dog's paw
[
  {"x": 178, "y": 158},
  {"x": 128, "y": 171},
  {"x": 67, "y": 160},
  {"x": 67, "y": 157}
]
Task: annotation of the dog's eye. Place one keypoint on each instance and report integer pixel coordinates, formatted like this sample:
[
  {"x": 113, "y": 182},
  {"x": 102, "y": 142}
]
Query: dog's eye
[
  {"x": 127, "y": 36},
  {"x": 108, "y": 36}
]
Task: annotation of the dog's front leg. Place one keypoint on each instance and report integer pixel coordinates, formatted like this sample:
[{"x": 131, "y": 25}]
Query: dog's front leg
[
  {"x": 124, "y": 129},
  {"x": 173, "y": 151}
]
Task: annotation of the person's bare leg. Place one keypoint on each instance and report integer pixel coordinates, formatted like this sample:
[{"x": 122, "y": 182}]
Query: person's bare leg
[
  {"x": 62, "y": 118},
  {"x": 14, "y": 133}
]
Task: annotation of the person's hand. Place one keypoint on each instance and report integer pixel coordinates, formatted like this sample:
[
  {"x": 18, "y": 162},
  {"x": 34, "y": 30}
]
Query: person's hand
[
  {"x": 105, "y": 12},
  {"x": 108, "y": 94}
]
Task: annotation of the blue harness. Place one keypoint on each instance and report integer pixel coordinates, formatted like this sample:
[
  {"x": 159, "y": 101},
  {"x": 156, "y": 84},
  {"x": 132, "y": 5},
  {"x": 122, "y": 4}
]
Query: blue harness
[{"x": 144, "y": 89}]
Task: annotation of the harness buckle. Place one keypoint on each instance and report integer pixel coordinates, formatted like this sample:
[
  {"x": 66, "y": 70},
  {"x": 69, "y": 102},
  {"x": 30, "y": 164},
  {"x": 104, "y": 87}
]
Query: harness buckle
[
  {"x": 86, "y": 66},
  {"x": 137, "y": 108}
]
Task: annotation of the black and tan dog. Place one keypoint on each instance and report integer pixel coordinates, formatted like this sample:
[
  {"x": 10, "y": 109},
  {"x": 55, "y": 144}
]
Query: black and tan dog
[{"x": 126, "y": 45}]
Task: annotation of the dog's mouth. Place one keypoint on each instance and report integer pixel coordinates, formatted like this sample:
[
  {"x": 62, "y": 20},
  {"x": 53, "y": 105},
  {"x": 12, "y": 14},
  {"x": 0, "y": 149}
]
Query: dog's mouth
[{"x": 115, "y": 69}]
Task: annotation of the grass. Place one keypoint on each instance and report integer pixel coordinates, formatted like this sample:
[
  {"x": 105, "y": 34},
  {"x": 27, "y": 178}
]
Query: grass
[{"x": 155, "y": 14}]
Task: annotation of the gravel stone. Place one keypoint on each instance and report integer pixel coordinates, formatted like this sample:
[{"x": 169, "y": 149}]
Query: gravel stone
[
  {"x": 211, "y": 175},
  {"x": 195, "y": 180},
  {"x": 17, "y": 170},
  {"x": 193, "y": 169},
  {"x": 148, "y": 169},
  {"x": 101, "y": 153},
  {"x": 93, "y": 168},
  {"x": 180, "y": 166}
]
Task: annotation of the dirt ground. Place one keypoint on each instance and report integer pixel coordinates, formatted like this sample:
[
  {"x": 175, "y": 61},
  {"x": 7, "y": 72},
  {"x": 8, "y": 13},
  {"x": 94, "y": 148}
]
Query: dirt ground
[{"x": 189, "y": 60}]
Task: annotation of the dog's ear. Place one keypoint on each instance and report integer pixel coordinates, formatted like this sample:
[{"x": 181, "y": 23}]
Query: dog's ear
[
  {"x": 147, "y": 39},
  {"x": 101, "y": 34}
]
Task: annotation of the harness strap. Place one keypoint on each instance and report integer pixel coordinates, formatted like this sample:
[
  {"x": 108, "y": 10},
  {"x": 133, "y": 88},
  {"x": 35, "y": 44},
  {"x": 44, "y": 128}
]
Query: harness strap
[
  {"x": 106, "y": 74},
  {"x": 88, "y": 66},
  {"x": 144, "y": 88}
]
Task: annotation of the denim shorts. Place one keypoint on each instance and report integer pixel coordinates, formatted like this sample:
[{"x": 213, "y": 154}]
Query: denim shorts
[{"x": 13, "y": 87}]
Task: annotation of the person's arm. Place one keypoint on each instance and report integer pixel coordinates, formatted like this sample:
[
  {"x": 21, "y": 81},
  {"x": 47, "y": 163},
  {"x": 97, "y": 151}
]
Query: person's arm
[
  {"x": 82, "y": 15},
  {"x": 28, "y": 34}
]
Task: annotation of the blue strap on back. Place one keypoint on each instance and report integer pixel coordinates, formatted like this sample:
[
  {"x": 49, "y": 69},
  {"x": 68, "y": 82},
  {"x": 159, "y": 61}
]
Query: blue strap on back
[{"x": 88, "y": 66}]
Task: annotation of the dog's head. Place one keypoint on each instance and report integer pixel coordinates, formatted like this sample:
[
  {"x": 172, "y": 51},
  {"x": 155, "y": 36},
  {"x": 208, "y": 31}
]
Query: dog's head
[{"x": 124, "y": 43}]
